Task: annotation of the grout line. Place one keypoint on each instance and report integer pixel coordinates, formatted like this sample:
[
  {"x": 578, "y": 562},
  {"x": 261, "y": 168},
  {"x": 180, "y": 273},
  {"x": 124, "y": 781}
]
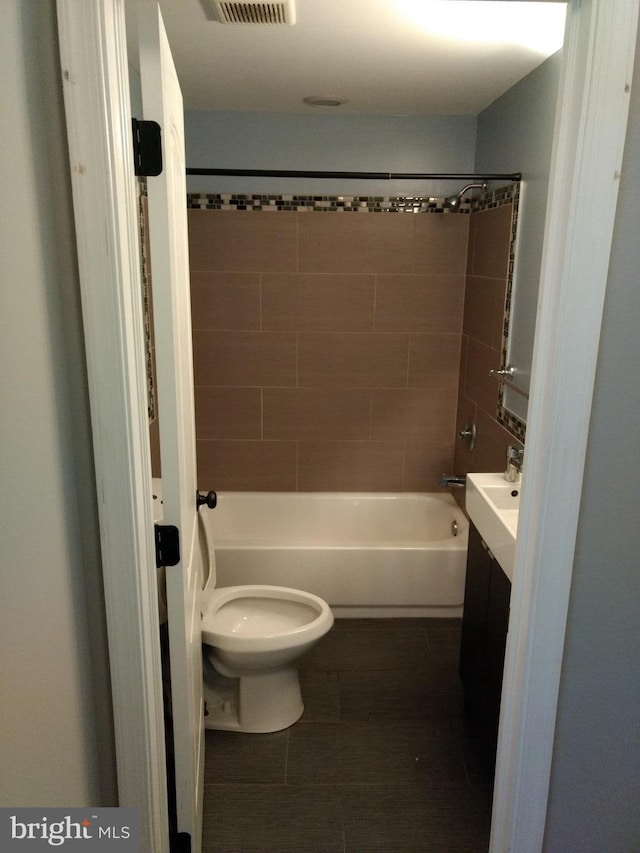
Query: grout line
[
  {"x": 375, "y": 300},
  {"x": 286, "y": 758},
  {"x": 404, "y": 466}
]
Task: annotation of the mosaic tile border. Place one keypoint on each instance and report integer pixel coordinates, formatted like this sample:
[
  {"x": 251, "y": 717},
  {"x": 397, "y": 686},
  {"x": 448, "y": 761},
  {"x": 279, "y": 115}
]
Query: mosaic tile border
[
  {"x": 507, "y": 195},
  {"x": 512, "y": 423},
  {"x": 145, "y": 276},
  {"x": 346, "y": 203},
  {"x": 322, "y": 204}
]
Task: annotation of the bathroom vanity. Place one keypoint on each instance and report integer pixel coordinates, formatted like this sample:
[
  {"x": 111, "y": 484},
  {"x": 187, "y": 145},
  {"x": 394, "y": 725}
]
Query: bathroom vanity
[
  {"x": 493, "y": 506},
  {"x": 484, "y": 635}
]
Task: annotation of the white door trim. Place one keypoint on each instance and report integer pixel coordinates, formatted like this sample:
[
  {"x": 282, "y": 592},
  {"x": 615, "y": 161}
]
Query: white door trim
[
  {"x": 589, "y": 140},
  {"x": 93, "y": 53}
]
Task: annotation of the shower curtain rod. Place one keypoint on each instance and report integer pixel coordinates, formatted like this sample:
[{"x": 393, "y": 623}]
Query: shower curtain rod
[{"x": 373, "y": 176}]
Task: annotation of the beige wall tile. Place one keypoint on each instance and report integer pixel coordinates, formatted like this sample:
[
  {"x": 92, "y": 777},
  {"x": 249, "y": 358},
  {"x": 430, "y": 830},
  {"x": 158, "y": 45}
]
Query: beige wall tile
[
  {"x": 491, "y": 238},
  {"x": 434, "y": 360},
  {"x": 424, "y": 464},
  {"x": 316, "y": 413},
  {"x": 419, "y": 303},
  {"x": 490, "y": 453},
  {"x": 225, "y": 300},
  {"x": 247, "y": 465},
  {"x": 342, "y": 360},
  {"x": 467, "y": 412},
  {"x": 413, "y": 413},
  {"x": 356, "y": 243},
  {"x": 317, "y": 302},
  {"x": 228, "y": 413},
  {"x": 479, "y": 386},
  {"x": 351, "y": 466},
  {"x": 464, "y": 345},
  {"x": 242, "y": 241},
  {"x": 244, "y": 358},
  {"x": 296, "y": 386},
  {"x": 441, "y": 244},
  {"x": 484, "y": 309},
  {"x": 154, "y": 438}
]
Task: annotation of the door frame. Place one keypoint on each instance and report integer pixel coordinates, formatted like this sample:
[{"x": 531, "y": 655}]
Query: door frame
[
  {"x": 589, "y": 137},
  {"x": 597, "y": 64},
  {"x": 93, "y": 55}
]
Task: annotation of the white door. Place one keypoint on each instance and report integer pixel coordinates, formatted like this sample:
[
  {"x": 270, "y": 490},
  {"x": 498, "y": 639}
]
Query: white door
[{"x": 162, "y": 103}]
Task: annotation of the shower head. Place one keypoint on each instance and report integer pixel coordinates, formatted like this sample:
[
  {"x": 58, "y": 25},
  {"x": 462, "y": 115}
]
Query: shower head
[{"x": 453, "y": 201}]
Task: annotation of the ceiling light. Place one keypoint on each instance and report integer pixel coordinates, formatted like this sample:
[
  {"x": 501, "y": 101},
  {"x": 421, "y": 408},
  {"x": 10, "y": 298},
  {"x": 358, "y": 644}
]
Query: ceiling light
[
  {"x": 323, "y": 101},
  {"x": 534, "y": 25}
]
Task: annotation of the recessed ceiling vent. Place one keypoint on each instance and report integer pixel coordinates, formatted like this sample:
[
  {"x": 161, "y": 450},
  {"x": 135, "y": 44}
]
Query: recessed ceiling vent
[{"x": 255, "y": 12}]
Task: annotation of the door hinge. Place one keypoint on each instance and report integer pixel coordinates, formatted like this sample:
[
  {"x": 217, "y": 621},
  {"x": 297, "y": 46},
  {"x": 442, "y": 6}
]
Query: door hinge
[
  {"x": 167, "y": 538},
  {"x": 147, "y": 148},
  {"x": 180, "y": 842}
]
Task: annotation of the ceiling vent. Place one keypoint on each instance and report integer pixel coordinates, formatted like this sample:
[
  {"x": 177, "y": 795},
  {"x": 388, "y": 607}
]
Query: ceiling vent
[{"x": 255, "y": 12}]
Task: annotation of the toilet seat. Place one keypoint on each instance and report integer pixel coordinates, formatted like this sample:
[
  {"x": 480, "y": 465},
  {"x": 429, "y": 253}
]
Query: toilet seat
[{"x": 272, "y": 618}]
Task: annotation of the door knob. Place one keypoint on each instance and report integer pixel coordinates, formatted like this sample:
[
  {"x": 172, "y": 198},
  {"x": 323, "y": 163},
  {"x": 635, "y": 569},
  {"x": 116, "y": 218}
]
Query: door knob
[{"x": 209, "y": 499}]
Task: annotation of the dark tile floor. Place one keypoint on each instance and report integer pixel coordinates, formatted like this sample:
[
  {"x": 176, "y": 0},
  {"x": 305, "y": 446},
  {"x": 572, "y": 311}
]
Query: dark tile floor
[{"x": 382, "y": 759}]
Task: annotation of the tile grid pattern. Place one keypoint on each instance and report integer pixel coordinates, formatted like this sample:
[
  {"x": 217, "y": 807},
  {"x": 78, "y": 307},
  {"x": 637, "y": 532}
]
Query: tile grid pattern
[
  {"x": 489, "y": 281},
  {"x": 326, "y": 349},
  {"x": 324, "y": 346},
  {"x": 383, "y": 758}
]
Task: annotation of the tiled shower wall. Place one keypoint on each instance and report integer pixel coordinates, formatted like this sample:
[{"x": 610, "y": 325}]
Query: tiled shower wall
[
  {"x": 327, "y": 348},
  {"x": 489, "y": 267}
]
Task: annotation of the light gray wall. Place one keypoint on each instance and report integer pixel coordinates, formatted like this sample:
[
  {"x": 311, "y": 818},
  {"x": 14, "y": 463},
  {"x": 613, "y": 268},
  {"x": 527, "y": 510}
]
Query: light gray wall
[
  {"x": 328, "y": 142},
  {"x": 595, "y": 780},
  {"x": 57, "y": 740},
  {"x": 515, "y": 134}
]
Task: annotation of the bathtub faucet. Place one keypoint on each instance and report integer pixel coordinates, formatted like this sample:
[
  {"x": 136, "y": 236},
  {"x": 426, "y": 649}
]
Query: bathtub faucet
[{"x": 451, "y": 480}]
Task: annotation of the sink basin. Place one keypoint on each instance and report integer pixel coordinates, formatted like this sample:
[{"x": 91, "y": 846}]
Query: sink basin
[
  {"x": 504, "y": 498},
  {"x": 493, "y": 506}
]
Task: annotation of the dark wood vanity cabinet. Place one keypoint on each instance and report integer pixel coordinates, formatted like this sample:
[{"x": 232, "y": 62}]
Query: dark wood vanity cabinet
[{"x": 485, "y": 623}]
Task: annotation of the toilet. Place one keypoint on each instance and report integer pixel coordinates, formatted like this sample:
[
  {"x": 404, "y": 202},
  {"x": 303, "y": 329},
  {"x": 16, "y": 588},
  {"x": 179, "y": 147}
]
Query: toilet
[{"x": 252, "y": 636}]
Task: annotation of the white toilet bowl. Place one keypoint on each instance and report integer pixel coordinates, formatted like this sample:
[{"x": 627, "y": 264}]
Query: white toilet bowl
[{"x": 252, "y": 636}]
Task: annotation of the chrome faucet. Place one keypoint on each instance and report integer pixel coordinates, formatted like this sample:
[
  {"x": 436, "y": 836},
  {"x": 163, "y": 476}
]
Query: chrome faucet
[
  {"x": 448, "y": 480},
  {"x": 515, "y": 457}
]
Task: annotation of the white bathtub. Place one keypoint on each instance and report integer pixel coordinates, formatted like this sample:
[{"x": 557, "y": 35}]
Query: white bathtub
[{"x": 372, "y": 554}]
